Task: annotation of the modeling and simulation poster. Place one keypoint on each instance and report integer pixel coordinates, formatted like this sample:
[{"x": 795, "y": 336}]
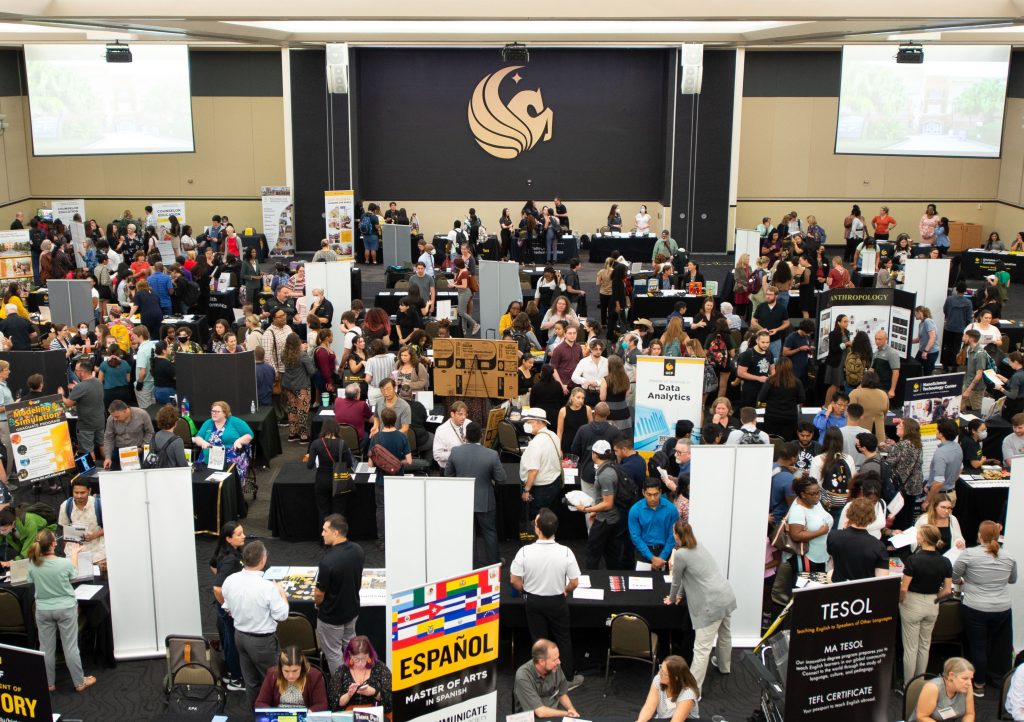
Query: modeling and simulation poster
[
  {"x": 444, "y": 649},
  {"x": 339, "y": 207},
  {"x": 841, "y": 649},
  {"x": 40, "y": 438},
  {"x": 278, "y": 223},
  {"x": 667, "y": 389},
  {"x": 23, "y": 693}
]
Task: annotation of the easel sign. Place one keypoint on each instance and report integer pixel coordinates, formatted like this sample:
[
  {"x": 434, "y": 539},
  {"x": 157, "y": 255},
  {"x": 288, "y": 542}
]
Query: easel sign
[
  {"x": 480, "y": 368},
  {"x": 494, "y": 418}
]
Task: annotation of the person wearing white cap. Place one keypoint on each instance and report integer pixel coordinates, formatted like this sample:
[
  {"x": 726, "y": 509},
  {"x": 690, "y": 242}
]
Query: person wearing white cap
[
  {"x": 540, "y": 468},
  {"x": 605, "y": 537}
]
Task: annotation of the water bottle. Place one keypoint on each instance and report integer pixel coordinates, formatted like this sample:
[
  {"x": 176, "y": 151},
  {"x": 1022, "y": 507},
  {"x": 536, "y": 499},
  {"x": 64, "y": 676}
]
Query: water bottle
[
  {"x": 252, "y": 407},
  {"x": 184, "y": 406},
  {"x": 325, "y": 399}
]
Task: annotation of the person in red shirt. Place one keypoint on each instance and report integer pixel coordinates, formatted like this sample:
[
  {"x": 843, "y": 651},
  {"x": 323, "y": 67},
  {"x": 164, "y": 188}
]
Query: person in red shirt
[
  {"x": 838, "y": 276},
  {"x": 350, "y": 409},
  {"x": 140, "y": 267},
  {"x": 232, "y": 243},
  {"x": 883, "y": 223}
]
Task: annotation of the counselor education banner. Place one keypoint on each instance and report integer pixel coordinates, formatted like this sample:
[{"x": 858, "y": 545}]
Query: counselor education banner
[
  {"x": 163, "y": 212},
  {"x": 40, "y": 438},
  {"x": 66, "y": 209},
  {"x": 339, "y": 207},
  {"x": 444, "y": 649},
  {"x": 841, "y": 650},
  {"x": 667, "y": 389},
  {"x": 23, "y": 693},
  {"x": 278, "y": 224}
]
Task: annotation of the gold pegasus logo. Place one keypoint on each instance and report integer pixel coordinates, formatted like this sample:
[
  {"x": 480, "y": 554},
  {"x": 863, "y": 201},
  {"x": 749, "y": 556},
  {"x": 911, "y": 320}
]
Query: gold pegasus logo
[{"x": 505, "y": 131}]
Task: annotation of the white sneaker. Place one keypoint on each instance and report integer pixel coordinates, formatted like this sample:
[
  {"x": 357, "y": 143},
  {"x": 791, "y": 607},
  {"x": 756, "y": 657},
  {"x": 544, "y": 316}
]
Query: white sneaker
[
  {"x": 575, "y": 682},
  {"x": 234, "y": 685},
  {"x": 714, "y": 662}
]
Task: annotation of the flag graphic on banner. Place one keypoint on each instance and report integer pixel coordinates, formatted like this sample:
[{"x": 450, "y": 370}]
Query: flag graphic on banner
[{"x": 437, "y": 609}]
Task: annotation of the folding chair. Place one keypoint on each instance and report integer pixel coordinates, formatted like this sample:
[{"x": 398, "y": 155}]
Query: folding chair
[{"x": 630, "y": 638}]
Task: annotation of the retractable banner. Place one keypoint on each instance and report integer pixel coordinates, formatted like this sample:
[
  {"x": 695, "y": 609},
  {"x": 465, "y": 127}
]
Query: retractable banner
[
  {"x": 278, "y": 220},
  {"x": 841, "y": 649},
  {"x": 339, "y": 207},
  {"x": 23, "y": 693},
  {"x": 667, "y": 389}
]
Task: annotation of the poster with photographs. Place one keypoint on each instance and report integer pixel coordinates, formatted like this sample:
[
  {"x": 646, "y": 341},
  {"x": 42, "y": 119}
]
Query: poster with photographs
[
  {"x": 15, "y": 257},
  {"x": 278, "y": 220},
  {"x": 869, "y": 310},
  {"x": 929, "y": 399},
  {"x": 339, "y": 207}
]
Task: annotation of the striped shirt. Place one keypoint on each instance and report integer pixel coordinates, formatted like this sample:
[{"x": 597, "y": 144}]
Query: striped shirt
[{"x": 380, "y": 367}]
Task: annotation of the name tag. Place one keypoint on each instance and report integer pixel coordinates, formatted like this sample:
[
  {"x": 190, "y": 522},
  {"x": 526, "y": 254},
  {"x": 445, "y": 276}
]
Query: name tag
[{"x": 947, "y": 713}]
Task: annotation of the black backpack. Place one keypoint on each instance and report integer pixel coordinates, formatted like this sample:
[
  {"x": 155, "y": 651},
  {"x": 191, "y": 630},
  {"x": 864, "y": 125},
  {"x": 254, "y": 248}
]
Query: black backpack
[
  {"x": 189, "y": 294},
  {"x": 522, "y": 341},
  {"x": 626, "y": 493},
  {"x": 751, "y": 437},
  {"x": 157, "y": 456}
]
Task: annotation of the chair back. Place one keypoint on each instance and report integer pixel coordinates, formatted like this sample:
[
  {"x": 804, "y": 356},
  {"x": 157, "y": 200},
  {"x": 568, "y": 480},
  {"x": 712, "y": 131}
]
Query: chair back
[
  {"x": 402, "y": 285},
  {"x": 297, "y": 630},
  {"x": 411, "y": 435},
  {"x": 350, "y": 437},
  {"x": 910, "y": 694},
  {"x": 193, "y": 673},
  {"x": 631, "y": 637},
  {"x": 948, "y": 626},
  {"x": 508, "y": 441},
  {"x": 12, "y": 621}
]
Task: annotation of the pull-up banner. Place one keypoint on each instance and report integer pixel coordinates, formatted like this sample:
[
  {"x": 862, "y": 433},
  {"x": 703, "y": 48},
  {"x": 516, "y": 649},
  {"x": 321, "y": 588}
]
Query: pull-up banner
[{"x": 841, "y": 649}]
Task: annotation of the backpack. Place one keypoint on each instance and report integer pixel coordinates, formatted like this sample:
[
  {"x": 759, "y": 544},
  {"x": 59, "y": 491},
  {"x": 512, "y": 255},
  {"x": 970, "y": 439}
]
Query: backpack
[
  {"x": 754, "y": 284},
  {"x": 189, "y": 293},
  {"x": 659, "y": 460},
  {"x": 854, "y": 369},
  {"x": 156, "y": 458},
  {"x": 366, "y": 225},
  {"x": 836, "y": 487},
  {"x": 99, "y": 510},
  {"x": 718, "y": 354},
  {"x": 522, "y": 341},
  {"x": 460, "y": 238},
  {"x": 710, "y": 378},
  {"x": 40, "y": 509},
  {"x": 626, "y": 493},
  {"x": 384, "y": 459},
  {"x": 750, "y": 437}
]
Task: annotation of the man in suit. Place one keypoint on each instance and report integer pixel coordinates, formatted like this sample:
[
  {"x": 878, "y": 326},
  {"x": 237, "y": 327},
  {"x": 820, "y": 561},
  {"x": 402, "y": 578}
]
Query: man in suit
[{"x": 473, "y": 460}]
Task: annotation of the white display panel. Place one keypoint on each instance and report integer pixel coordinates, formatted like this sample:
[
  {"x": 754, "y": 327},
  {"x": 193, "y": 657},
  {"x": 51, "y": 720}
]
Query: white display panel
[
  {"x": 405, "y": 524},
  {"x": 929, "y": 279},
  {"x": 449, "y": 544},
  {"x": 82, "y": 105},
  {"x": 949, "y": 105},
  {"x": 335, "y": 279}
]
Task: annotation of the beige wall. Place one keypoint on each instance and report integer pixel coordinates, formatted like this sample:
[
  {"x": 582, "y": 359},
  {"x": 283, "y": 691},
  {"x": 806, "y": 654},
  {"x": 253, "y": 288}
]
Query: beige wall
[{"x": 585, "y": 217}]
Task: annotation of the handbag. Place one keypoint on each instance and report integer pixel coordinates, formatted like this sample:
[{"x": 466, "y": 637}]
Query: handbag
[
  {"x": 473, "y": 284},
  {"x": 384, "y": 459},
  {"x": 342, "y": 481},
  {"x": 961, "y": 356},
  {"x": 277, "y": 374},
  {"x": 782, "y": 541}
]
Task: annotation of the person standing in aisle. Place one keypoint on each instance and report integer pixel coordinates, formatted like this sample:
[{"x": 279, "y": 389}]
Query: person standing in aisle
[
  {"x": 337, "y": 590},
  {"x": 256, "y": 605},
  {"x": 546, "y": 573}
]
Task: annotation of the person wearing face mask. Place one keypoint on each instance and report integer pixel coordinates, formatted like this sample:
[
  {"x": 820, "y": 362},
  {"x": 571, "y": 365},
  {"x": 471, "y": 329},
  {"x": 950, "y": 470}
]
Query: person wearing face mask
[
  {"x": 971, "y": 442},
  {"x": 540, "y": 469},
  {"x": 643, "y": 220}
]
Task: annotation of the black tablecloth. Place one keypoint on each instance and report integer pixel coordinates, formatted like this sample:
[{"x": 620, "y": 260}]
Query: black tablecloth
[
  {"x": 221, "y": 306},
  {"x": 975, "y": 505},
  {"x": 651, "y": 307},
  {"x": 977, "y": 264},
  {"x": 96, "y": 642},
  {"x": 293, "y": 513},
  {"x": 511, "y": 514},
  {"x": 266, "y": 437},
  {"x": 594, "y": 614},
  {"x": 200, "y": 328},
  {"x": 568, "y": 249},
  {"x": 633, "y": 248},
  {"x": 388, "y": 300}
]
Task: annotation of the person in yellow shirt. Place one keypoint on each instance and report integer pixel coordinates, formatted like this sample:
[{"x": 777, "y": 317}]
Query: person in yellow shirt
[
  {"x": 505, "y": 322},
  {"x": 13, "y": 295}
]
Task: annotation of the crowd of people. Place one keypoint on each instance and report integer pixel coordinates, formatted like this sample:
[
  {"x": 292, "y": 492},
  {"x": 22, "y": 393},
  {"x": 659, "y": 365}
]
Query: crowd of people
[{"x": 835, "y": 480}]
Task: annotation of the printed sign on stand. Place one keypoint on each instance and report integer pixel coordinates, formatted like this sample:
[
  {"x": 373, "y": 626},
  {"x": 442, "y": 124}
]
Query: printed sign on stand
[
  {"x": 278, "y": 221},
  {"x": 23, "y": 690},
  {"x": 40, "y": 438}
]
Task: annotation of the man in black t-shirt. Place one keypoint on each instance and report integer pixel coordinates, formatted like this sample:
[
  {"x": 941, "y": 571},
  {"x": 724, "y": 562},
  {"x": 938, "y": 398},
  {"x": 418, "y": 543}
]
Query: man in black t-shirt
[
  {"x": 855, "y": 553},
  {"x": 807, "y": 445},
  {"x": 337, "y": 591},
  {"x": 753, "y": 367},
  {"x": 773, "y": 317},
  {"x": 18, "y": 330}
]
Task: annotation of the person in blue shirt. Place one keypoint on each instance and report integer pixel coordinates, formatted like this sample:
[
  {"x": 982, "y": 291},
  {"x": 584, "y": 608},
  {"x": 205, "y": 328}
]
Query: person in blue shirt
[
  {"x": 833, "y": 415},
  {"x": 265, "y": 375},
  {"x": 162, "y": 285},
  {"x": 651, "y": 520},
  {"x": 630, "y": 461},
  {"x": 782, "y": 493}
]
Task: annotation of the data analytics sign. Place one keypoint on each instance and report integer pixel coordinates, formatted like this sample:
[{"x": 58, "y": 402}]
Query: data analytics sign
[{"x": 667, "y": 390}]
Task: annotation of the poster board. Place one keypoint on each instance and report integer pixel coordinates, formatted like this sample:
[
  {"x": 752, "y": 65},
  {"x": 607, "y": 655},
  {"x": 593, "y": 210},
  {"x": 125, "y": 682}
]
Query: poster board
[
  {"x": 841, "y": 650},
  {"x": 15, "y": 257},
  {"x": 201, "y": 378},
  {"x": 747, "y": 241},
  {"x": 163, "y": 212},
  {"x": 339, "y": 210},
  {"x": 869, "y": 309},
  {"x": 40, "y": 438},
  {"x": 494, "y": 418},
  {"x": 278, "y": 219},
  {"x": 166, "y": 250},
  {"x": 23, "y": 681},
  {"x": 929, "y": 279},
  {"x": 667, "y": 389},
  {"x": 452, "y": 622},
  {"x": 480, "y": 368},
  {"x": 66, "y": 208}
]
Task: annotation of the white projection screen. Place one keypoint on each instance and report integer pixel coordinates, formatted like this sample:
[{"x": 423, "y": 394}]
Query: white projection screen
[
  {"x": 82, "y": 105},
  {"x": 949, "y": 105}
]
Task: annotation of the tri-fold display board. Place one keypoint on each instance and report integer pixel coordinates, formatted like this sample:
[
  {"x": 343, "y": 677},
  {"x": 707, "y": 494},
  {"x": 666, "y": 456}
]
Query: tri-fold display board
[{"x": 869, "y": 310}]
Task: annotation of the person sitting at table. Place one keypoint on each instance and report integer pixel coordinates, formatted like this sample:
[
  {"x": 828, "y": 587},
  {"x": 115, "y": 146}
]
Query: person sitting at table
[
  {"x": 17, "y": 532},
  {"x": 363, "y": 680},
  {"x": 692, "y": 274},
  {"x": 167, "y": 445},
  {"x": 541, "y": 685},
  {"x": 221, "y": 329},
  {"x": 940, "y": 516},
  {"x": 56, "y": 607},
  {"x": 126, "y": 426},
  {"x": 352, "y": 410},
  {"x": 231, "y": 432},
  {"x": 293, "y": 682},
  {"x": 85, "y": 510},
  {"x": 673, "y": 693},
  {"x": 994, "y": 243},
  {"x": 948, "y": 698}
]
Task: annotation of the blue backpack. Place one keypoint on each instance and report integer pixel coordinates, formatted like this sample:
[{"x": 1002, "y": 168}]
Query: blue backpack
[
  {"x": 99, "y": 510},
  {"x": 366, "y": 225}
]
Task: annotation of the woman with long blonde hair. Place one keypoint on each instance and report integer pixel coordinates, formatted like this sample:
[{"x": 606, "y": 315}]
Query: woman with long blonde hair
[
  {"x": 613, "y": 391},
  {"x": 674, "y": 337},
  {"x": 741, "y": 288}
]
